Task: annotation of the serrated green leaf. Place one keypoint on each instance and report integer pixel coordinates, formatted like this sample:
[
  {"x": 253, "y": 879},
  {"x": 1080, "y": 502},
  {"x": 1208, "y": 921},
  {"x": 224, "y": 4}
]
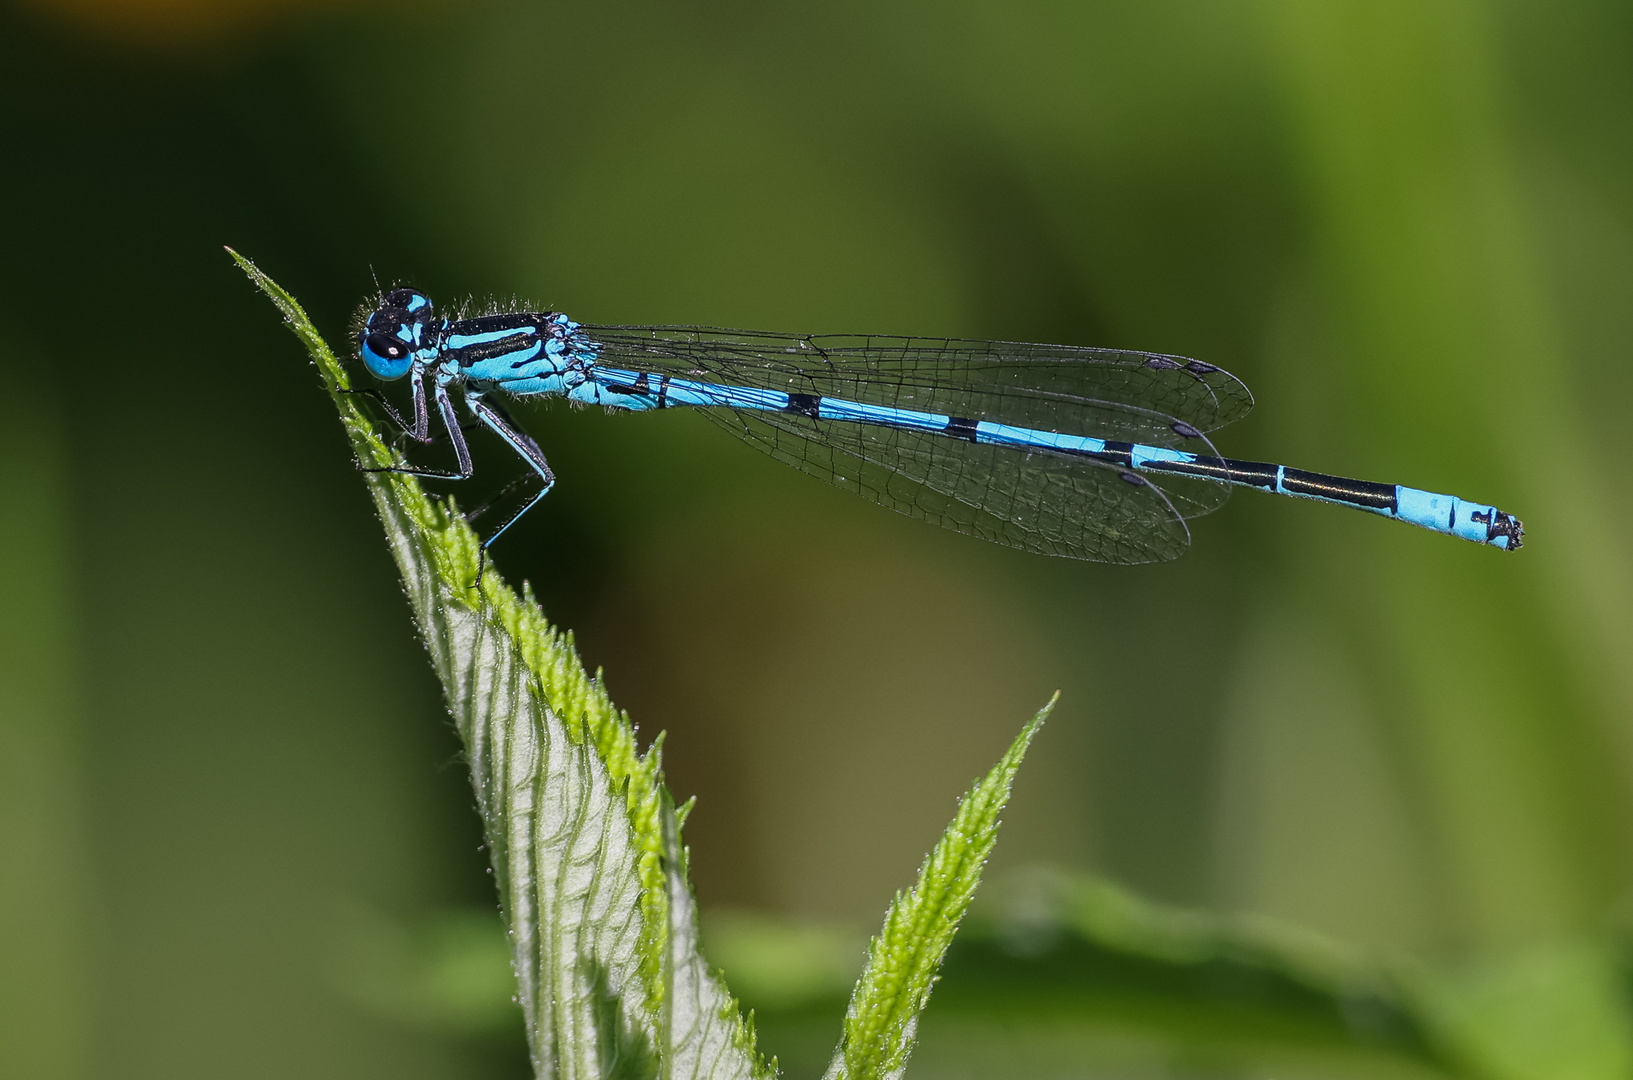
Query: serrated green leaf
[
  {"x": 584, "y": 838},
  {"x": 903, "y": 959}
]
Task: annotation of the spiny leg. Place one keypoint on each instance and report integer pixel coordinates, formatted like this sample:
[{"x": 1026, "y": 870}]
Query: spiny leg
[
  {"x": 456, "y": 437},
  {"x": 493, "y": 417},
  {"x": 421, "y": 430},
  {"x": 503, "y": 494}
]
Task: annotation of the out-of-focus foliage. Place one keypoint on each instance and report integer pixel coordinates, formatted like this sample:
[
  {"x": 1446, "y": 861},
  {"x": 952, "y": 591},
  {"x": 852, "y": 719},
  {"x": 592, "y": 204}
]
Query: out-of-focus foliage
[
  {"x": 1407, "y": 226},
  {"x": 1058, "y": 974}
]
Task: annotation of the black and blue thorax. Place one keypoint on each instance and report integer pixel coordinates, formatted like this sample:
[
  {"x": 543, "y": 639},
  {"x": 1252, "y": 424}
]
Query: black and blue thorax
[{"x": 522, "y": 353}]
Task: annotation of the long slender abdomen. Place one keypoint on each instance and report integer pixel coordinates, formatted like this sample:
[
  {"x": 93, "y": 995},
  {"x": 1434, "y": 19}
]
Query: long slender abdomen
[
  {"x": 1427, "y": 509},
  {"x": 1439, "y": 513}
]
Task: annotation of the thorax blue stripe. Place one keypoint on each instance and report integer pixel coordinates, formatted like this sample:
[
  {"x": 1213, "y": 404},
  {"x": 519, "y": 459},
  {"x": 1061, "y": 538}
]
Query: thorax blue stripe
[{"x": 464, "y": 341}]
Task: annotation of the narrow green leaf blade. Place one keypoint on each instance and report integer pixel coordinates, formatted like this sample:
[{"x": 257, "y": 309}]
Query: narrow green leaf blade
[
  {"x": 583, "y": 837},
  {"x": 882, "y": 1019}
]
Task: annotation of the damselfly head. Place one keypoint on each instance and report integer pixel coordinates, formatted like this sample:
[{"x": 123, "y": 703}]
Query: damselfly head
[{"x": 394, "y": 336}]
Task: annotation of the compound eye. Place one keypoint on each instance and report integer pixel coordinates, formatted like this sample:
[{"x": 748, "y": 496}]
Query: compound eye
[
  {"x": 388, "y": 357},
  {"x": 387, "y": 348},
  {"x": 405, "y": 300}
]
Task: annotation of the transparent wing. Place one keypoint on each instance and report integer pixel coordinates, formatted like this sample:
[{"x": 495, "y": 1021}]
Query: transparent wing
[
  {"x": 1042, "y": 503},
  {"x": 1066, "y": 388},
  {"x": 1048, "y": 503}
]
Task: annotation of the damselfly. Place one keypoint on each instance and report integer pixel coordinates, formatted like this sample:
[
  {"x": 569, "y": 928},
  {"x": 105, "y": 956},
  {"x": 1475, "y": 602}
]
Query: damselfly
[{"x": 1098, "y": 454}]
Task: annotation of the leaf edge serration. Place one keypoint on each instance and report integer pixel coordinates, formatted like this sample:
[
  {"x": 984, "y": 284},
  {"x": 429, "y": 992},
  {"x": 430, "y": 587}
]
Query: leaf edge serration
[
  {"x": 681, "y": 1006},
  {"x": 881, "y": 1021}
]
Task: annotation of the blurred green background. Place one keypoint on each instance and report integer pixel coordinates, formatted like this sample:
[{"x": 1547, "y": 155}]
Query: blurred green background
[{"x": 230, "y": 802}]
